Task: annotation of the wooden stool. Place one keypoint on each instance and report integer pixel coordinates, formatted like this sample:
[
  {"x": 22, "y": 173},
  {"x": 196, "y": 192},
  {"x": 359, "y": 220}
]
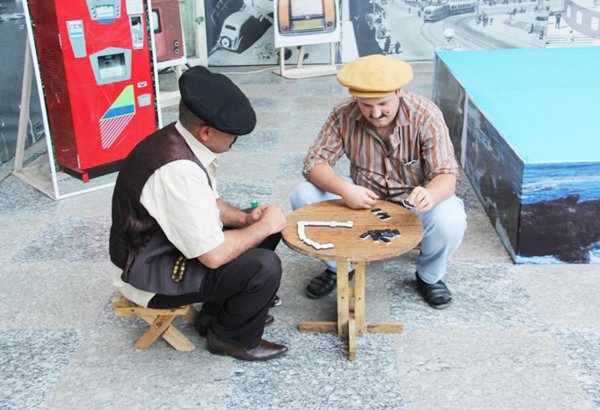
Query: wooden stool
[{"x": 159, "y": 321}]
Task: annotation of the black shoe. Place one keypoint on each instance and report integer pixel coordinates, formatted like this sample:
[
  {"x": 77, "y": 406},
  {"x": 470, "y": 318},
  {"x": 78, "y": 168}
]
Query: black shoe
[
  {"x": 275, "y": 302},
  {"x": 323, "y": 284},
  {"x": 264, "y": 351},
  {"x": 205, "y": 320},
  {"x": 437, "y": 295}
]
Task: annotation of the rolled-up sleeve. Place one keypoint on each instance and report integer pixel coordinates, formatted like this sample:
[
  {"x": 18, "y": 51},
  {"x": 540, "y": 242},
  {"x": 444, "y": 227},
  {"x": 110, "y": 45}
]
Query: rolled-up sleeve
[
  {"x": 436, "y": 147},
  {"x": 179, "y": 197},
  {"x": 327, "y": 147}
]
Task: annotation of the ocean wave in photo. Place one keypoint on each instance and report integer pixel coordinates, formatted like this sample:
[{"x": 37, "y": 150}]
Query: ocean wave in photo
[
  {"x": 546, "y": 182},
  {"x": 538, "y": 260},
  {"x": 553, "y": 260}
]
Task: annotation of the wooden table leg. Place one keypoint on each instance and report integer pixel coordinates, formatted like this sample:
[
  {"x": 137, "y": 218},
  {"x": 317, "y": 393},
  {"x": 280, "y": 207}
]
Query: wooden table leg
[
  {"x": 359, "y": 298},
  {"x": 385, "y": 327},
  {"x": 343, "y": 297},
  {"x": 323, "y": 326},
  {"x": 351, "y": 339},
  {"x": 351, "y": 324}
]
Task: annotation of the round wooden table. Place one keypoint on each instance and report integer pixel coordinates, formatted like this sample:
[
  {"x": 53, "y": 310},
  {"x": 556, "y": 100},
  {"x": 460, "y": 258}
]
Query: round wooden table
[{"x": 349, "y": 247}]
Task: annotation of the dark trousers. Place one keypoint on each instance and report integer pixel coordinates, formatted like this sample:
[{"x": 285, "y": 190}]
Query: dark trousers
[{"x": 238, "y": 294}]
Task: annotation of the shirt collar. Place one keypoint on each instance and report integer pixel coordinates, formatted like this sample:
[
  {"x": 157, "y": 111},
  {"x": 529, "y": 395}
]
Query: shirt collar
[
  {"x": 404, "y": 110},
  {"x": 204, "y": 155}
]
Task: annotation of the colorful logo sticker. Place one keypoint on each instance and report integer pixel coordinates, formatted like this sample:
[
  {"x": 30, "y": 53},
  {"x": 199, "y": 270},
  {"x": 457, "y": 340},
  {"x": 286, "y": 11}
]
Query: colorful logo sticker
[{"x": 114, "y": 121}]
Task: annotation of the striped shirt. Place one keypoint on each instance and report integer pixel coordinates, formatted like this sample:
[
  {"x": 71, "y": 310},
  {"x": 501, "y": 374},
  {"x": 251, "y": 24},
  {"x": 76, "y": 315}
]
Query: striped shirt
[{"x": 419, "y": 148}]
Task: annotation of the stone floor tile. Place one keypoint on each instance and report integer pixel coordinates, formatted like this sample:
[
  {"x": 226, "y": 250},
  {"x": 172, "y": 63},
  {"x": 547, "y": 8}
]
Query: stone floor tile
[
  {"x": 32, "y": 363},
  {"x": 486, "y": 368}
]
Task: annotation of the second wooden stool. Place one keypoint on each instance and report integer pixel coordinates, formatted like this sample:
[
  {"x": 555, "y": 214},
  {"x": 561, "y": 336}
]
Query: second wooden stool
[{"x": 159, "y": 321}]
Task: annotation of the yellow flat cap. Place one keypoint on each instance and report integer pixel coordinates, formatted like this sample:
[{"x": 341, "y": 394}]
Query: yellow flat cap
[{"x": 375, "y": 76}]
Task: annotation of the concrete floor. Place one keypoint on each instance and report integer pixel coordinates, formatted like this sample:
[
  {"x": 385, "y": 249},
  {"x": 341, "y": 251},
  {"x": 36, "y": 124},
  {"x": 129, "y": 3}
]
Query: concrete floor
[{"x": 516, "y": 337}]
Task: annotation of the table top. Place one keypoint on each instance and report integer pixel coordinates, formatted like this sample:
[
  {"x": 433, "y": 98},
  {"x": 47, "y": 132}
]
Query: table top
[{"x": 346, "y": 241}]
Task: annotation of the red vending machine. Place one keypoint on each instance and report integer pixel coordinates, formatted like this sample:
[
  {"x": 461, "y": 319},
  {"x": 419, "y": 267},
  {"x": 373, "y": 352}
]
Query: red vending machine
[{"x": 95, "y": 65}]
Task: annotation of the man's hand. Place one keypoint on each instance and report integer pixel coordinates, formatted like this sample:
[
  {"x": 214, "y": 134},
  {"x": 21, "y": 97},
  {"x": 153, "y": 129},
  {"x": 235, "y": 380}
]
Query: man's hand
[
  {"x": 358, "y": 197},
  {"x": 441, "y": 187},
  {"x": 254, "y": 215},
  {"x": 421, "y": 199},
  {"x": 270, "y": 215},
  {"x": 354, "y": 196},
  {"x": 270, "y": 220}
]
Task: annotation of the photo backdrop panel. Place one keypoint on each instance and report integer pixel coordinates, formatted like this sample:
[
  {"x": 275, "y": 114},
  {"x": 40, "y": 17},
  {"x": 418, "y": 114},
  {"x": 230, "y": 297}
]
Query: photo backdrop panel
[
  {"x": 496, "y": 173},
  {"x": 248, "y": 32},
  {"x": 303, "y": 22},
  {"x": 241, "y": 32}
]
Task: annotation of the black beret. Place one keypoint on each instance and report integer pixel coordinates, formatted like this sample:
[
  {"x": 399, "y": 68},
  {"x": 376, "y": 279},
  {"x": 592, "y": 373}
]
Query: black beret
[{"x": 217, "y": 101}]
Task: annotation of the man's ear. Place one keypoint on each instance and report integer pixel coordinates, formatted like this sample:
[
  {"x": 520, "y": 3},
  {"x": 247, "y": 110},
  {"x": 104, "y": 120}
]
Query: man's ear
[{"x": 203, "y": 133}]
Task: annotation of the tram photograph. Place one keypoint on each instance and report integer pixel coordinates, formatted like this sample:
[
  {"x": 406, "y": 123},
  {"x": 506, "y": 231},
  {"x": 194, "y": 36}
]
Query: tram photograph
[{"x": 441, "y": 11}]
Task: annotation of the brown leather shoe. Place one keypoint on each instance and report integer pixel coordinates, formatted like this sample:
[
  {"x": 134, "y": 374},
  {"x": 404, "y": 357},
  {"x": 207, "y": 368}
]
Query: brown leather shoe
[
  {"x": 264, "y": 351},
  {"x": 204, "y": 321}
]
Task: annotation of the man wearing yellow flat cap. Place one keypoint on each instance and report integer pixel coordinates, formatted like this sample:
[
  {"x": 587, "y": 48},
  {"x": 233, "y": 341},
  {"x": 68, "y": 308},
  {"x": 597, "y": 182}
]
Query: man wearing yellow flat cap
[{"x": 399, "y": 150}]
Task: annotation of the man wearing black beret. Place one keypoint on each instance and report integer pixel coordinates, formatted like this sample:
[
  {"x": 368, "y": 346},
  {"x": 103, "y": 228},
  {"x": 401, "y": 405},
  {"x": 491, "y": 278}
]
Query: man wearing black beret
[{"x": 167, "y": 232}]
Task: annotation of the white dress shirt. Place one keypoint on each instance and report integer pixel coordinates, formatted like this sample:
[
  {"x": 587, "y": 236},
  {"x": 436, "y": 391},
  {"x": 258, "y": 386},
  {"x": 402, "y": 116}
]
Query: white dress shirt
[{"x": 179, "y": 197}]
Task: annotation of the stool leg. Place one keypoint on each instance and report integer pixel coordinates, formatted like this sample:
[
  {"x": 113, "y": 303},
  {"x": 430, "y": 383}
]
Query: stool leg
[
  {"x": 177, "y": 339},
  {"x": 158, "y": 325},
  {"x": 191, "y": 316},
  {"x": 171, "y": 335}
]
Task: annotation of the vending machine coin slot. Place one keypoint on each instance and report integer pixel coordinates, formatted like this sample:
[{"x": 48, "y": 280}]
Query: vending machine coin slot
[{"x": 111, "y": 65}]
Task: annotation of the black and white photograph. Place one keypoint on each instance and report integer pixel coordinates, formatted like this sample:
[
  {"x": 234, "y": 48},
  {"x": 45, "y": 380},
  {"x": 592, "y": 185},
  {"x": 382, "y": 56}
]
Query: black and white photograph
[{"x": 242, "y": 31}]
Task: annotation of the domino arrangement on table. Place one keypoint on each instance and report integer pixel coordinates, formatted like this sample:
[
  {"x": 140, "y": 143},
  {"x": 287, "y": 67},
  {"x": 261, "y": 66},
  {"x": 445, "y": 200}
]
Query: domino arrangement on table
[
  {"x": 331, "y": 224},
  {"x": 384, "y": 216},
  {"x": 378, "y": 235},
  {"x": 381, "y": 235}
]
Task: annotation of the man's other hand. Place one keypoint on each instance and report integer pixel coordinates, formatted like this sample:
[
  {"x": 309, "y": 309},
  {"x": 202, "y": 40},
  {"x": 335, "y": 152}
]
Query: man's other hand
[
  {"x": 421, "y": 199},
  {"x": 273, "y": 217},
  {"x": 255, "y": 214},
  {"x": 358, "y": 197}
]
